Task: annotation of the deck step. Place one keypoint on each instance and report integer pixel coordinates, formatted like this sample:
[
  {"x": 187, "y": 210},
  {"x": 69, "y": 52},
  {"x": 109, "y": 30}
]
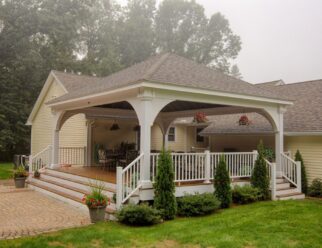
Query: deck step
[
  {"x": 88, "y": 184},
  {"x": 292, "y": 196}
]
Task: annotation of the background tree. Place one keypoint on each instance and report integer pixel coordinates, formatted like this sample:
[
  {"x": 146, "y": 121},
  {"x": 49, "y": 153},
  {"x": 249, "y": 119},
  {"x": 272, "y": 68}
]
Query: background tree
[
  {"x": 298, "y": 157},
  {"x": 259, "y": 178},
  {"x": 182, "y": 27},
  {"x": 96, "y": 37},
  {"x": 164, "y": 187},
  {"x": 222, "y": 184},
  {"x": 235, "y": 72}
]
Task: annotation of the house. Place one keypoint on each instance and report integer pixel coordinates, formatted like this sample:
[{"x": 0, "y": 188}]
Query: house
[{"x": 75, "y": 116}]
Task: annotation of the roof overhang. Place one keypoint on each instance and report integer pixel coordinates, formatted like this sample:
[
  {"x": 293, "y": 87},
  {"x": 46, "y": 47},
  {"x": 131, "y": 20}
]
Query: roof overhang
[{"x": 89, "y": 100}]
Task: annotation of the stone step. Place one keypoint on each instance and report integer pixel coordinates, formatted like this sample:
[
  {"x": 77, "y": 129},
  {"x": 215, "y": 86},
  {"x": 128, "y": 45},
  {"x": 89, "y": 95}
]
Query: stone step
[
  {"x": 293, "y": 196},
  {"x": 66, "y": 197}
]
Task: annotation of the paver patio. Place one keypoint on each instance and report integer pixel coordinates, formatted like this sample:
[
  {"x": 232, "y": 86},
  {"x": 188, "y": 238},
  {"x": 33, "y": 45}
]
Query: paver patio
[{"x": 26, "y": 212}]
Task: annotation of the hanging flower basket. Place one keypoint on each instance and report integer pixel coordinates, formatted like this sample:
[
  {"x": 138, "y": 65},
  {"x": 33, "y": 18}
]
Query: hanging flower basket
[
  {"x": 244, "y": 121},
  {"x": 200, "y": 117}
]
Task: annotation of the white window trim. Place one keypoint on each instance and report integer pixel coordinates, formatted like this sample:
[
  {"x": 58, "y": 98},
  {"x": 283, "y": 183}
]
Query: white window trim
[{"x": 175, "y": 134}]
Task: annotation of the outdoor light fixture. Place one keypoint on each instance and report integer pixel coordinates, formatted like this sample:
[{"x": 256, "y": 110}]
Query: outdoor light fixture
[
  {"x": 136, "y": 128},
  {"x": 115, "y": 127}
]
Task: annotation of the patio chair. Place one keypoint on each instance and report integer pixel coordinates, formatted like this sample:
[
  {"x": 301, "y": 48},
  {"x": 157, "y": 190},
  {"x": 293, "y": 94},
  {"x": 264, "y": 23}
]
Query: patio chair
[
  {"x": 129, "y": 157},
  {"x": 102, "y": 158}
]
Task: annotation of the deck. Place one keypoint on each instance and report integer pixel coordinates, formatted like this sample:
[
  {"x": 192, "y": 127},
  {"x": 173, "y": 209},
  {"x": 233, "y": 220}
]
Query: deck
[{"x": 92, "y": 172}]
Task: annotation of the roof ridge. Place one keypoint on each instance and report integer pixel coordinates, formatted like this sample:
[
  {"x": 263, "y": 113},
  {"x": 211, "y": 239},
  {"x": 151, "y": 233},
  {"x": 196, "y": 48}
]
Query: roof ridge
[
  {"x": 303, "y": 82},
  {"x": 155, "y": 66},
  {"x": 74, "y": 74}
]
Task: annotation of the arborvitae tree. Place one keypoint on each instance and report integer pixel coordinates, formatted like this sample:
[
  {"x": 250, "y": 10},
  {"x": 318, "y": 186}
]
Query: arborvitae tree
[
  {"x": 164, "y": 187},
  {"x": 298, "y": 157},
  {"x": 259, "y": 178},
  {"x": 222, "y": 184}
]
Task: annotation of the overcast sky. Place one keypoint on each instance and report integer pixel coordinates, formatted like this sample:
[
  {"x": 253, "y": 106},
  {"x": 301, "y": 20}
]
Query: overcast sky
[{"x": 282, "y": 39}]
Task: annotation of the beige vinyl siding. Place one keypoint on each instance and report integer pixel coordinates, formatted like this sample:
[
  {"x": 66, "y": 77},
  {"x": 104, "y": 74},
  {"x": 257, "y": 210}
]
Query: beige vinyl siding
[
  {"x": 156, "y": 138},
  {"x": 311, "y": 150},
  {"x": 73, "y": 132},
  {"x": 241, "y": 143}
]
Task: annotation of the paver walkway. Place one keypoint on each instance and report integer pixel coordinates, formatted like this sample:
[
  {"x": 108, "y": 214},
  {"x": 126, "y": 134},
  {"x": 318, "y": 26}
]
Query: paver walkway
[{"x": 26, "y": 212}]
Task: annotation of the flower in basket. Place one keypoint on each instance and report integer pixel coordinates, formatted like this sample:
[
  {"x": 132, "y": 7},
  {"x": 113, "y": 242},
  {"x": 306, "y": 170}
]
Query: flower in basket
[
  {"x": 244, "y": 121},
  {"x": 20, "y": 172},
  {"x": 200, "y": 117},
  {"x": 96, "y": 199}
]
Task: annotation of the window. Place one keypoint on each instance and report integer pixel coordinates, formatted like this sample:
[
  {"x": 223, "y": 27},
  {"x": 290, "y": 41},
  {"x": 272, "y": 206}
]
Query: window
[
  {"x": 199, "y": 138},
  {"x": 172, "y": 134}
]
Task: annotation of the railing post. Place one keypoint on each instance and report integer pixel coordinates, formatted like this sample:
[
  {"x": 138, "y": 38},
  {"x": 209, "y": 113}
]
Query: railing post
[
  {"x": 273, "y": 181},
  {"x": 85, "y": 157},
  {"x": 119, "y": 185},
  {"x": 207, "y": 166},
  {"x": 255, "y": 155},
  {"x": 30, "y": 163},
  {"x": 298, "y": 176}
]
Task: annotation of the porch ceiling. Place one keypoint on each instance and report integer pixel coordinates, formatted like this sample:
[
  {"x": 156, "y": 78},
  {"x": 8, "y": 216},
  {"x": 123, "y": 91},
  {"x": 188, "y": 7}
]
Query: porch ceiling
[{"x": 171, "y": 107}]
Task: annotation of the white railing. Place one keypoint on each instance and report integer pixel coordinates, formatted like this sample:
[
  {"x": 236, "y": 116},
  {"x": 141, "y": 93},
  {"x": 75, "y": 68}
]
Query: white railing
[
  {"x": 271, "y": 168},
  {"x": 40, "y": 160},
  {"x": 128, "y": 180},
  {"x": 187, "y": 166},
  {"x": 201, "y": 166},
  {"x": 291, "y": 171},
  {"x": 239, "y": 164},
  {"x": 72, "y": 155}
]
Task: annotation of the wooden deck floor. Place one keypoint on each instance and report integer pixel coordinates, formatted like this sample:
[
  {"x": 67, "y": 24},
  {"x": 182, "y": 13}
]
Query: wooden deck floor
[{"x": 93, "y": 172}]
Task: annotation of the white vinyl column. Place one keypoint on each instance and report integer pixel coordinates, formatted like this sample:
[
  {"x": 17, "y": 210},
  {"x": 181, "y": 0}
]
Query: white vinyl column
[
  {"x": 56, "y": 119},
  {"x": 279, "y": 140},
  {"x": 147, "y": 108}
]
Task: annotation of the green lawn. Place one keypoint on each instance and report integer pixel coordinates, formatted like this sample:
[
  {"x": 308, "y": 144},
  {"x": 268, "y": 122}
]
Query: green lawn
[
  {"x": 265, "y": 224},
  {"x": 6, "y": 170}
]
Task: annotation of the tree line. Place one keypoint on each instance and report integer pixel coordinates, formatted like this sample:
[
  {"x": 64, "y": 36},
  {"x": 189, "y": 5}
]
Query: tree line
[{"x": 95, "y": 37}]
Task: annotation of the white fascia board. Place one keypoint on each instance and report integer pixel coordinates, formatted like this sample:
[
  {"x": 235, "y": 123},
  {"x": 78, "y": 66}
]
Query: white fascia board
[
  {"x": 163, "y": 86},
  {"x": 42, "y": 94},
  {"x": 303, "y": 133},
  {"x": 214, "y": 93}
]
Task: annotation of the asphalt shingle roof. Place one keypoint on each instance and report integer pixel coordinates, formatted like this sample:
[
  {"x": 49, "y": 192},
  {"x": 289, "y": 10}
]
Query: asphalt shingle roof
[
  {"x": 305, "y": 115},
  {"x": 166, "y": 68}
]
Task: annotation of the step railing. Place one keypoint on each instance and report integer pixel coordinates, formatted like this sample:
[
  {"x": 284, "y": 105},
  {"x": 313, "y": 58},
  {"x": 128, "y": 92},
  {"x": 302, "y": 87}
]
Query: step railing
[
  {"x": 291, "y": 171},
  {"x": 128, "y": 180},
  {"x": 271, "y": 169},
  {"x": 40, "y": 160},
  {"x": 190, "y": 167},
  {"x": 72, "y": 155}
]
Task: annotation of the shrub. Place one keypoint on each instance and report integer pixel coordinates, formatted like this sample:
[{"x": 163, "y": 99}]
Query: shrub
[
  {"x": 138, "y": 215},
  {"x": 222, "y": 184},
  {"x": 246, "y": 194},
  {"x": 198, "y": 204},
  {"x": 259, "y": 178},
  {"x": 298, "y": 157},
  {"x": 316, "y": 188},
  {"x": 269, "y": 154},
  {"x": 164, "y": 187}
]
